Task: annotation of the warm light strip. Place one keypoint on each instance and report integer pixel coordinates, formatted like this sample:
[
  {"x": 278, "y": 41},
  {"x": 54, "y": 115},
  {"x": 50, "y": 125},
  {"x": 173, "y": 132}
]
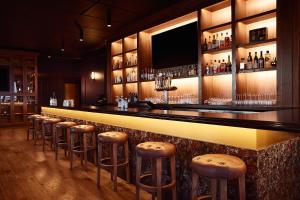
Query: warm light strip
[
  {"x": 174, "y": 26},
  {"x": 226, "y": 135}
]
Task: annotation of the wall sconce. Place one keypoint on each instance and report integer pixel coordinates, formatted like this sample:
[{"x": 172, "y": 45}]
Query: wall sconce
[{"x": 93, "y": 75}]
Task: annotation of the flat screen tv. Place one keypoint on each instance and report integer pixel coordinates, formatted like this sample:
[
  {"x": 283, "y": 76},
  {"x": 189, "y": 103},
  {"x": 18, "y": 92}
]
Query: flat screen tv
[
  {"x": 4, "y": 78},
  {"x": 175, "y": 47}
]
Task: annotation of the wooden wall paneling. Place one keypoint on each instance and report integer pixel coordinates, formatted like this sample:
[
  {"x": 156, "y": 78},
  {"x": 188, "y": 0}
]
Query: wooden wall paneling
[
  {"x": 296, "y": 53},
  {"x": 286, "y": 86},
  {"x": 200, "y": 58},
  {"x": 233, "y": 49}
]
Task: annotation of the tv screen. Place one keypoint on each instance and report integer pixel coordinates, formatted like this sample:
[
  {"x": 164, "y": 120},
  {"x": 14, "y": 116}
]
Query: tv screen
[
  {"x": 175, "y": 47},
  {"x": 4, "y": 78}
]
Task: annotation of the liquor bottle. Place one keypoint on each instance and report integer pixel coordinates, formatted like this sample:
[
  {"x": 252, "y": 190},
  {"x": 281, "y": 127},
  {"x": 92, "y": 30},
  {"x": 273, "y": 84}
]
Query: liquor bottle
[
  {"x": 205, "y": 45},
  {"x": 242, "y": 64},
  {"x": 223, "y": 66},
  {"x": 211, "y": 67},
  {"x": 267, "y": 60},
  {"x": 219, "y": 66},
  {"x": 261, "y": 61},
  {"x": 228, "y": 64},
  {"x": 215, "y": 66},
  {"x": 217, "y": 42},
  {"x": 227, "y": 41},
  {"x": 249, "y": 61},
  {"x": 207, "y": 69},
  {"x": 274, "y": 63},
  {"x": 209, "y": 44},
  {"x": 255, "y": 62},
  {"x": 222, "y": 41},
  {"x": 214, "y": 42}
]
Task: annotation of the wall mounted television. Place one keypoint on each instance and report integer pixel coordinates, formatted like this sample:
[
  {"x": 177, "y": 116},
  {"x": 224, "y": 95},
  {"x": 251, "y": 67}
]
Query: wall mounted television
[
  {"x": 4, "y": 79},
  {"x": 175, "y": 47}
]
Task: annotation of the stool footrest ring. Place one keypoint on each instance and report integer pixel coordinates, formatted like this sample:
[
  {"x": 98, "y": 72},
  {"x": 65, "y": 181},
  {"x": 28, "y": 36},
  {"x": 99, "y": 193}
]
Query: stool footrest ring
[
  {"x": 101, "y": 164},
  {"x": 154, "y": 188}
]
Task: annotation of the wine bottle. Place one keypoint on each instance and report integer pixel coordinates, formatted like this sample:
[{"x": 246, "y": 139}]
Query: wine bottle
[
  {"x": 228, "y": 64},
  {"x": 249, "y": 61},
  {"x": 261, "y": 61},
  {"x": 255, "y": 62}
]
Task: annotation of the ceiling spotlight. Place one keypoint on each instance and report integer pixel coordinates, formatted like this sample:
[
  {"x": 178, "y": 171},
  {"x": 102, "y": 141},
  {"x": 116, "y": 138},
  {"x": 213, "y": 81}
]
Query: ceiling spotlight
[
  {"x": 49, "y": 57},
  {"x": 62, "y": 49},
  {"x": 108, "y": 18}
]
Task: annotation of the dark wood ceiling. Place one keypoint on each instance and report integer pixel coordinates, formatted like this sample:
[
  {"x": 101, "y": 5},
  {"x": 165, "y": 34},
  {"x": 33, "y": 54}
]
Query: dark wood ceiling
[{"x": 41, "y": 25}]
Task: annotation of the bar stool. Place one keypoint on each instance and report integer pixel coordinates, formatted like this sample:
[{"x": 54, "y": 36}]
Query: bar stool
[
  {"x": 83, "y": 131},
  {"x": 114, "y": 140},
  {"x": 38, "y": 127},
  {"x": 49, "y": 135},
  {"x": 31, "y": 127},
  {"x": 64, "y": 140},
  {"x": 218, "y": 167},
  {"x": 155, "y": 151}
]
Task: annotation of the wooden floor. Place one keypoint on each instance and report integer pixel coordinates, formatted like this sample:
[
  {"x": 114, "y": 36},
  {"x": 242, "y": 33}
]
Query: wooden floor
[{"x": 28, "y": 173}]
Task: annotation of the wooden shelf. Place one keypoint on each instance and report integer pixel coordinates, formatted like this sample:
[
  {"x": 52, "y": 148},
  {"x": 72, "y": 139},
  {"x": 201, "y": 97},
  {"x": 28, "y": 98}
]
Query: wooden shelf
[
  {"x": 259, "y": 43},
  {"x": 130, "y": 82},
  {"x": 258, "y": 17},
  {"x": 117, "y": 55},
  {"x": 130, "y": 51},
  {"x": 216, "y": 51},
  {"x": 117, "y": 69},
  {"x": 257, "y": 70},
  {"x": 132, "y": 66},
  {"x": 117, "y": 83},
  {"x": 185, "y": 77},
  {"x": 147, "y": 81},
  {"x": 218, "y": 28},
  {"x": 218, "y": 74}
]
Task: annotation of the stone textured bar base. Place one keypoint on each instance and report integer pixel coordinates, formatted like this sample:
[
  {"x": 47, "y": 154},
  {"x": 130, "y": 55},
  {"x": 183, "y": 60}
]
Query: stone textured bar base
[{"x": 272, "y": 172}]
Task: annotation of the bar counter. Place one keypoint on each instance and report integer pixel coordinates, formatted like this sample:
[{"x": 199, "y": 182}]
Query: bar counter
[{"x": 268, "y": 141}]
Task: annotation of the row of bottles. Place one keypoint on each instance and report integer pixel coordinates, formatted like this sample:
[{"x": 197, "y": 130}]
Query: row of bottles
[
  {"x": 147, "y": 74},
  {"x": 216, "y": 42},
  {"x": 116, "y": 64},
  {"x": 132, "y": 97},
  {"x": 131, "y": 59},
  {"x": 163, "y": 81},
  {"x": 215, "y": 67},
  {"x": 184, "y": 71},
  {"x": 131, "y": 75},
  {"x": 118, "y": 79},
  {"x": 260, "y": 62}
]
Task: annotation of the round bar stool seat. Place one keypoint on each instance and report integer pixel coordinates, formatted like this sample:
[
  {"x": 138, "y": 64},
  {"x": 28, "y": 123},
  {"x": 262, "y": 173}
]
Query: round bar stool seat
[
  {"x": 49, "y": 135},
  {"x": 155, "y": 151},
  {"x": 83, "y": 132},
  {"x": 113, "y": 139},
  {"x": 83, "y": 128},
  {"x": 64, "y": 140},
  {"x": 219, "y": 167},
  {"x": 31, "y": 127}
]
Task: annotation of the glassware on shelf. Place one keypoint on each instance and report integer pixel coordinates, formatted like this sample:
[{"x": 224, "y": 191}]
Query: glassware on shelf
[
  {"x": 266, "y": 99},
  {"x": 218, "y": 101}
]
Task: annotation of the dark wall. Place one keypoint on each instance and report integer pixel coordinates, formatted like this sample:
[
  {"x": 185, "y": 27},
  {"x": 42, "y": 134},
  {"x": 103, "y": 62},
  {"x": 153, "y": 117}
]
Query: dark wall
[
  {"x": 91, "y": 90},
  {"x": 54, "y": 73}
]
